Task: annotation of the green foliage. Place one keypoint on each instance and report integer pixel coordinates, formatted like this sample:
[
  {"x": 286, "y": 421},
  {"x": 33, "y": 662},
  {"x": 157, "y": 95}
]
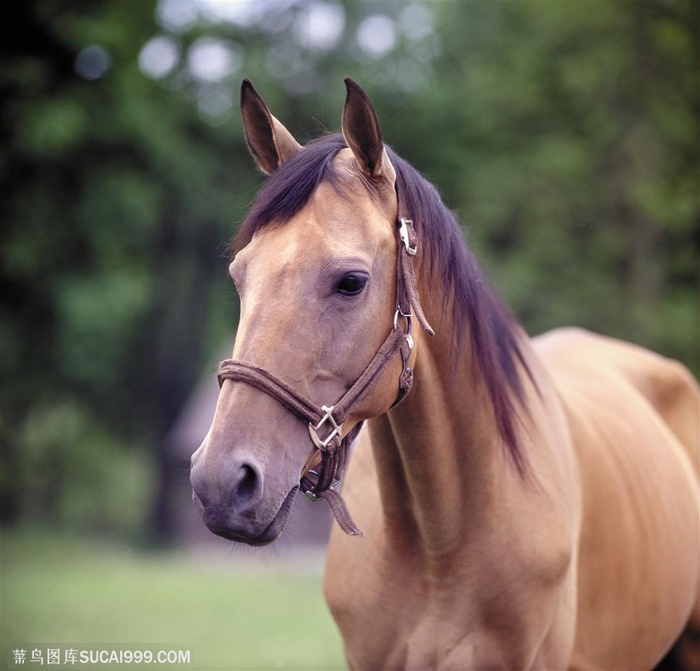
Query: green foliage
[
  {"x": 77, "y": 477},
  {"x": 565, "y": 135},
  {"x": 580, "y": 177}
]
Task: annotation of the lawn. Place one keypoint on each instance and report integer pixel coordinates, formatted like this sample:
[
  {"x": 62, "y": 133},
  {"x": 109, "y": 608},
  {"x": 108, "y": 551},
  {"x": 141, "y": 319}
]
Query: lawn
[{"x": 68, "y": 594}]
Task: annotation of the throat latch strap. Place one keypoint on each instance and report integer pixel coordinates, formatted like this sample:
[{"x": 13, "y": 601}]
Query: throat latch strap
[{"x": 325, "y": 424}]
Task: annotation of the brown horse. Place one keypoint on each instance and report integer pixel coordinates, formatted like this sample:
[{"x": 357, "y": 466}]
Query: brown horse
[{"x": 530, "y": 504}]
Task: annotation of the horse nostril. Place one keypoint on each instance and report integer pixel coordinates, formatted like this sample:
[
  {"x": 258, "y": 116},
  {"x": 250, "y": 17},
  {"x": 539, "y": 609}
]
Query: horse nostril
[
  {"x": 235, "y": 482},
  {"x": 247, "y": 490},
  {"x": 248, "y": 483}
]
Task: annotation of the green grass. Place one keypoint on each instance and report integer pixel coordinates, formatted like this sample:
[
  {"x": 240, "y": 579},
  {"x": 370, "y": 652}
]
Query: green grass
[{"x": 72, "y": 594}]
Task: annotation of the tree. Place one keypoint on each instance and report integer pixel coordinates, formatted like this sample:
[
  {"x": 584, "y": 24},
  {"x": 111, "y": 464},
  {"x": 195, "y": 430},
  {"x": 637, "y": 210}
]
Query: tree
[
  {"x": 574, "y": 160},
  {"x": 564, "y": 134}
]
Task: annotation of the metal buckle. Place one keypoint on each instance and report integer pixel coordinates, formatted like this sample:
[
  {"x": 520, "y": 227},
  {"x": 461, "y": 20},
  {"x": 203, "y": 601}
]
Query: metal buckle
[
  {"x": 336, "y": 429},
  {"x": 405, "y": 238},
  {"x": 409, "y": 325}
]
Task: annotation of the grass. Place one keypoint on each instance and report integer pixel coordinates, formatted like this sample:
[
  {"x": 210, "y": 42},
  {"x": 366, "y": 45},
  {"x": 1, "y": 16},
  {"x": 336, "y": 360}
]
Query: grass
[{"x": 73, "y": 594}]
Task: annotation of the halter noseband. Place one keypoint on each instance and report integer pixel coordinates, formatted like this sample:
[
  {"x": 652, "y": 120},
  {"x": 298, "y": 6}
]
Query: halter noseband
[{"x": 326, "y": 424}]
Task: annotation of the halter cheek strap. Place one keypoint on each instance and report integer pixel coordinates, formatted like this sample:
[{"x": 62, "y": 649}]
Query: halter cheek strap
[{"x": 325, "y": 424}]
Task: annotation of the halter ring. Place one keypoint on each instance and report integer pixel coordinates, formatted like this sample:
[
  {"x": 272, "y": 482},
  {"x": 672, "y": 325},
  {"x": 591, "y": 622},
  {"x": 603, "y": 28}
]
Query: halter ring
[{"x": 308, "y": 493}]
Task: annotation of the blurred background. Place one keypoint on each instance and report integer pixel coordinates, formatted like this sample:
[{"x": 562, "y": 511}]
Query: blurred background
[{"x": 564, "y": 134}]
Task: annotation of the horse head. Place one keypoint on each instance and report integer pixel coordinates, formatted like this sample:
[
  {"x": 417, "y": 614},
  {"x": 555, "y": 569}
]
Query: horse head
[{"x": 316, "y": 269}]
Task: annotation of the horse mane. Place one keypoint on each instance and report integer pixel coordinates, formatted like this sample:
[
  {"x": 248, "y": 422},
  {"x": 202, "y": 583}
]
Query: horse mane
[{"x": 492, "y": 329}]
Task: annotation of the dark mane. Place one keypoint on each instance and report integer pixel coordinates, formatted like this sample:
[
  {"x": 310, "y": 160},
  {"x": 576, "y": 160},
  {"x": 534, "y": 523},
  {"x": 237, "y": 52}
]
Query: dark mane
[{"x": 491, "y": 328}]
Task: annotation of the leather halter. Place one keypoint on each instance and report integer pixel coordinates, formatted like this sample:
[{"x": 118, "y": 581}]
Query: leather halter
[{"x": 326, "y": 423}]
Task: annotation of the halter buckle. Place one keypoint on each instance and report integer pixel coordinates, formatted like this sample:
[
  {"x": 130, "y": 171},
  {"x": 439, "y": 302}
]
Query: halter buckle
[
  {"x": 335, "y": 429},
  {"x": 409, "y": 324},
  {"x": 412, "y": 250}
]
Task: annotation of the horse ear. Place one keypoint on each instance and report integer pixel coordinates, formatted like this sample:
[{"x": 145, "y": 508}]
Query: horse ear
[
  {"x": 362, "y": 133},
  {"x": 270, "y": 143}
]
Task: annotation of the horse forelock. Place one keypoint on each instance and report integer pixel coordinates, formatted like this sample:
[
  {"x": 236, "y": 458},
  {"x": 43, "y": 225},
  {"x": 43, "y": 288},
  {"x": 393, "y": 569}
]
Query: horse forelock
[
  {"x": 290, "y": 187},
  {"x": 477, "y": 312}
]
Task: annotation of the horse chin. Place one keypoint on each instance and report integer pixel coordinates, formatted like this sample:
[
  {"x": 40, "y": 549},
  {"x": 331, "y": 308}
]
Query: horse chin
[{"x": 224, "y": 522}]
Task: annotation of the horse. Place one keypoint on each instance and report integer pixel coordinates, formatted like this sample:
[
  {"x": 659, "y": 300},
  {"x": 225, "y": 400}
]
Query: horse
[{"x": 511, "y": 503}]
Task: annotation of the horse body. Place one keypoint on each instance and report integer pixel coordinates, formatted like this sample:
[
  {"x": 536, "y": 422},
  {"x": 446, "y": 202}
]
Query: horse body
[
  {"x": 599, "y": 569},
  {"x": 531, "y": 504},
  {"x": 635, "y": 425}
]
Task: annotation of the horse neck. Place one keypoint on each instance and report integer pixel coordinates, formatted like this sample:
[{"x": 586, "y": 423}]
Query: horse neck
[{"x": 442, "y": 467}]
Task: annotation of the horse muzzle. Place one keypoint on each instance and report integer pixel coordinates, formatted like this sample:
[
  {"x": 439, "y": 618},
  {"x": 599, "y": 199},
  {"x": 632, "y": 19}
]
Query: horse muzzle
[{"x": 230, "y": 497}]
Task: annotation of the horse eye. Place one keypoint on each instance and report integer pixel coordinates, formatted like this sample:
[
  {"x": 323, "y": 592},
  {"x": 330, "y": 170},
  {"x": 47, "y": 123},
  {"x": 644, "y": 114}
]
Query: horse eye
[{"x": 351, "y": 285}]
